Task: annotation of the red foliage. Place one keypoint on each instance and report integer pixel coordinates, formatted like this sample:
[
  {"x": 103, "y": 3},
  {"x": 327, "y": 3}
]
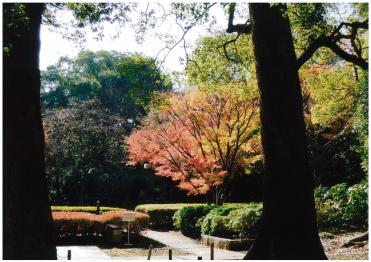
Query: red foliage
[
  {"x": 88, "y": 223},
  {"x": 315, "y": 69},
  {"x": 46, "y": 137},
  {"x": 197, "y": 142},
  {"x": 172, "y": 152}
]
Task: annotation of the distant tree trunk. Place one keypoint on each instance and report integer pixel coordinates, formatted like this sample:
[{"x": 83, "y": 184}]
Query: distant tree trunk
[
  {"x": 28, "y": 225},
  {"x": 288, "y": 227}
]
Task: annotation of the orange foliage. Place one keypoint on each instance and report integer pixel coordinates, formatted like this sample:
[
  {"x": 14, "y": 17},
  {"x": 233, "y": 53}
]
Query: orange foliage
[
  {"x": 46, "y": 137},
  {"x": 84, "y": 222},
  {"x": 198, "y": 140},
  {"x": 315, "y": 69}
]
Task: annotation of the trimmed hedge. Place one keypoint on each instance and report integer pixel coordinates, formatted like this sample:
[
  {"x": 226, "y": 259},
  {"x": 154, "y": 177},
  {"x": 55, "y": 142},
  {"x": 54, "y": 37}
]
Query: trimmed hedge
[
  {"x": 245, "y": 220},
  {"x": 73, "y": 223},
  {"x": 229, "y": 220},
  {"x": 91, "y": 209},
  {"x": 236, "y": 205},
  {"x": 187, "y": 219},
  {"x": 161, "y": 215},
  {"x": 216, "y": 222}
]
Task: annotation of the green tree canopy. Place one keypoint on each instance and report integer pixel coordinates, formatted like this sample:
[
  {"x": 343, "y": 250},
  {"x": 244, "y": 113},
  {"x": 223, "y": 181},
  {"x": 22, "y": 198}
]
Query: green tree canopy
[
  {"x": 124, "y": 83},
  {"x": 215, "y": 62}
]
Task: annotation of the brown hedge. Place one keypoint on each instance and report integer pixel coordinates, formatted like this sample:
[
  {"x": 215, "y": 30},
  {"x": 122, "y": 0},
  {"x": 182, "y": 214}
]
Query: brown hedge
[{"x": 73, "y": 223}]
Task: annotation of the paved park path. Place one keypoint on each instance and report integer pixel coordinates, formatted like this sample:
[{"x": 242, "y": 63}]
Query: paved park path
[
  {"x": 176, "y": 240},
  {"x": 81, "y": 253}
]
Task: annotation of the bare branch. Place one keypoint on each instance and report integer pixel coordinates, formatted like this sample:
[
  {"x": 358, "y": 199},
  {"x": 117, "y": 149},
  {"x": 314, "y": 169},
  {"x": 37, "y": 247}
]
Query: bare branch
[
  {"x": 182, "y": 38},
  {"x": 225, "y": 49},
  {"x": 346, "y": 56},
  {"x": 238, "y": 28},
  {"x": 330, "y": 42}
]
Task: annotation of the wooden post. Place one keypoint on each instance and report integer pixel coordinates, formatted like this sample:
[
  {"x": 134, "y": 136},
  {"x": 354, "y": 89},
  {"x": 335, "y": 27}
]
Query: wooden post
[
  {"x": 170, "y": 254},
  {"x": 212, "y": 251},
  {"x": 128, "y": 232},
  {"x": 98, "y": 207},
  {"x": 149, "y": 252},
  {"x": 69, "y": 254},
  {"x": 199, "y": 258}
]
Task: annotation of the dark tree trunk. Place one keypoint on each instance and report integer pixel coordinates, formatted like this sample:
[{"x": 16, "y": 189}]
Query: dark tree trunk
[
  {"x": 28, "y": 225},
  {"x": 288, "y": 227}
]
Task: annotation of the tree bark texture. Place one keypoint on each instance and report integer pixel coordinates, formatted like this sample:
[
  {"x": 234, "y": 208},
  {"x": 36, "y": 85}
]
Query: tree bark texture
[
  {"x": 27, "y": 222},
  {"x": 288, "y": 228}
]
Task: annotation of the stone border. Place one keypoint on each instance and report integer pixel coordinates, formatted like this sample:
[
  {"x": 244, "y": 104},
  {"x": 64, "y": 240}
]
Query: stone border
[{"x": 226, "y": 243}]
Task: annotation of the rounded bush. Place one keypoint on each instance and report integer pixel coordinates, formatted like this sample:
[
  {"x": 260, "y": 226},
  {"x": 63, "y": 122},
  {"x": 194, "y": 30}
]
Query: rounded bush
[
  {"x": 187, "y": 219},
  {"x": 232, "y": 221},
  {"x": 343, "y": 206},
  {"x": 245, "y": 220},
  {"x": 216, "y": 222},
  {"x": 161, "y": 215}
]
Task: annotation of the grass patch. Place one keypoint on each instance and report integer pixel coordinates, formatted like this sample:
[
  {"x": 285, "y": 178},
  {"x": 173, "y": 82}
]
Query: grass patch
[
  {"x": 177, "y": 206},
  {"x": 84, "y": 209},
  {"x": 326, "y": 235},
  {"x": 236, "y": 205},
  {"x": 152, "y": 207}
]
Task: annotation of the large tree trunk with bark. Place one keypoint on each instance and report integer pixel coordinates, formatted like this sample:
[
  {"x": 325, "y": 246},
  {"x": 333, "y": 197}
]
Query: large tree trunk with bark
[
  {"x": 288, "y": 227},
  {"x": 28, "y": 226}
]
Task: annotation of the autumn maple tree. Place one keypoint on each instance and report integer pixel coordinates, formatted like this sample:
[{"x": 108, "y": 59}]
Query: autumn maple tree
[{"x": 199, "y": 139}]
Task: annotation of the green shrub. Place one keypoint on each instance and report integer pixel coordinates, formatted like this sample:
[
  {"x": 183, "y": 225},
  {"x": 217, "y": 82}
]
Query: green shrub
[
  {"x": 215, "y": 225},
  {"x": 226, "y": 209},
  {"x": 232, "y": 220},
  {"x": 236, "y": 205},
  {"x": 161, "y": 215},
  {"x": 320, "y": 192},
  {"x": 337, "y": 193},
  {"x": 343, "y": 206},
  {"x": 245, "y": 220},
  {"x": 187, "y": 219},
  {"x": 91, "y": 209},
  {"x": 356, "y": 211},
  {"x": 326, "y": 235},
  {"x": 216, "y": 222}
]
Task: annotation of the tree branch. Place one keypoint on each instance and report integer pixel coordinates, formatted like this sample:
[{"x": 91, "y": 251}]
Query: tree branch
[
  {"x": 330, "y": 42},
  {"x": 238, "y": 28},
  {"x": 346, "y": 56},
  {"x": 182, "y": 38},
  {"x": 225, "y": 49}
]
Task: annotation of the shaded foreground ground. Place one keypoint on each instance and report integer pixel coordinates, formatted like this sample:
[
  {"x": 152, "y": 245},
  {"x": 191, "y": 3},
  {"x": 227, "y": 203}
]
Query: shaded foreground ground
[
  {"x": 184, "y": 248},
  {"x": 334, "y": 250}
]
